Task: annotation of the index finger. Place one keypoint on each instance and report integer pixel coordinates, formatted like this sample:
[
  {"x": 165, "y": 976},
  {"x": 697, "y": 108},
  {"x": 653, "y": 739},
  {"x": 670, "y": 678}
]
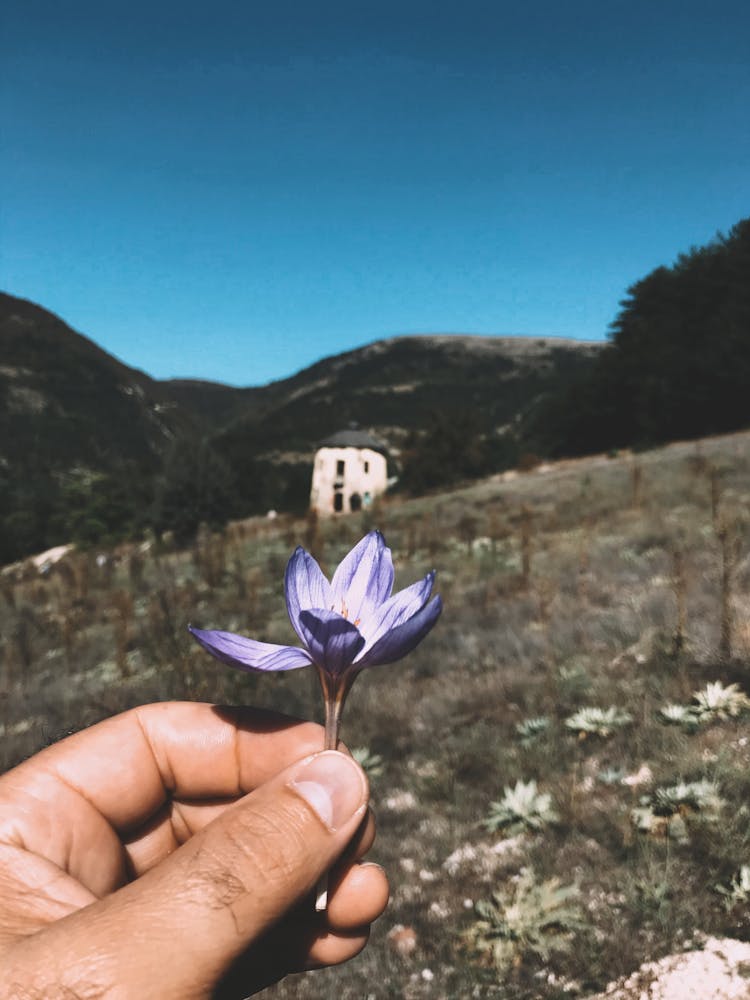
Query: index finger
[{"x": 128, "y": 766}]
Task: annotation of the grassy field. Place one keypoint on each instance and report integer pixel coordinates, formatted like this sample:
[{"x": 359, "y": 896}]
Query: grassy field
[{"x": 560, "y": 772}]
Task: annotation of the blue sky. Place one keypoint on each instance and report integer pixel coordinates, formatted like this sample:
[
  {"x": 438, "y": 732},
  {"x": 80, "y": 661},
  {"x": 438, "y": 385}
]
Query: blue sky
[{"x": 234, "y": 190}]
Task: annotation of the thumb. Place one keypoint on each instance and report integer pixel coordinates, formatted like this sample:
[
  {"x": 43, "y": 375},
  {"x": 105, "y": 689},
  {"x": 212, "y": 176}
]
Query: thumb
[{"x": 175, "y": 931}]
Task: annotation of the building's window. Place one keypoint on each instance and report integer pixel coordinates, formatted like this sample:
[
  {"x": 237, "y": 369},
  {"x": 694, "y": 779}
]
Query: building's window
[
  {"x": 367, "y": 466},
  {"x": 355, "y": 502},
  {"x": 340, "y": 467},
  {"x": 338, "y": 501}
]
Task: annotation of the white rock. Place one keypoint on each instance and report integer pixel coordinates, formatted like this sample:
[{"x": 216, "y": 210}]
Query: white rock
[{"x": 713, "y": 973}]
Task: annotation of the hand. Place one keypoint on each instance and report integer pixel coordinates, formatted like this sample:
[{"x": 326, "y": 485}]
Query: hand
[{"x": 172, "y": 852}]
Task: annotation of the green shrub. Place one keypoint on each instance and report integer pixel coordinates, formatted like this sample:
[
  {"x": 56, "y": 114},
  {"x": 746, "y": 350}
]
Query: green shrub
[
  {"x": 737, "y": 893},
  {"x": 532, "y": 917},
  {"x": 522, "y": 807},
  {"x": 530, "y": 730},
  {"x": 372, "y": 763},
  {"x": 718, "y": 702},
  {"x": 666, "y": 811},
  {"x": 686, "y": 716},
  {"x": 601, "y": 722}
]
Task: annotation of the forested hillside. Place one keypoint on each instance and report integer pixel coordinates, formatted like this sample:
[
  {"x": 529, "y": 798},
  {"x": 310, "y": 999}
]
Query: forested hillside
[{"x": 678, "y": 361}]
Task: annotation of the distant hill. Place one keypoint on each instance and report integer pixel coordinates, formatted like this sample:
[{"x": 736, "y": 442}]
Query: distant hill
[
  {"x": 448, "y": 407},
  {"x": 89, "y": 447},
  {"x": 63, "y": 400},
  {"x": 402, "y": 384}
]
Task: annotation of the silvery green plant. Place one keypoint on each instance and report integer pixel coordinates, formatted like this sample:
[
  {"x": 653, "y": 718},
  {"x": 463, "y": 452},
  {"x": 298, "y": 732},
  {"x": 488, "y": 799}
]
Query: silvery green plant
[
  {"x": 664, "y": 812},
  {"x": 714, "y": 702},
  {"x": 611, "y": 775},
  {"x": 522, "y": 807},
  {"x": 573, "y": 679},
  {"x": 646, "y": 820},
  {"x": 530, "y": 730},
  {"x": 686, "y": 716},
  {"x": 718, "y": 702},
  {"x": 601, "y": 722},
  {"x": 530, "y": 918},
  {"x": 737, "y": 893},
  {"x": 372, "y": 763},
  {"x": 688, "y": 797}
]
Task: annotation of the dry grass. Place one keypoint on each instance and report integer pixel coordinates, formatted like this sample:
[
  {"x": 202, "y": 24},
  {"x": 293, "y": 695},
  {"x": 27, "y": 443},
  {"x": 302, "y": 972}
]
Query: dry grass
[{"x": 595, "y": 583}]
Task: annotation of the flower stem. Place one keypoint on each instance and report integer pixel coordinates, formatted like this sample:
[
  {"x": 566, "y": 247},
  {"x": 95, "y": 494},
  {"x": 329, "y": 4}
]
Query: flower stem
[
  {"x": 333, "y": 723},
  {"x": 332, "y": 726},
  {"x": 334, "y": 695}
]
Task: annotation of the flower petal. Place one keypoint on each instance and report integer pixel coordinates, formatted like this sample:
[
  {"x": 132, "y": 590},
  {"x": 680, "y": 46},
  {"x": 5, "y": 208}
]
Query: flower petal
[
  {"x": 364, "y": 578},
  {"x": 333, "y": 642},
  {"x": 396, "y": 610},
  {"x": 401, "y": 640},
  {"x": 305, "y": 587},
  {"x": 248, "y": 654}
]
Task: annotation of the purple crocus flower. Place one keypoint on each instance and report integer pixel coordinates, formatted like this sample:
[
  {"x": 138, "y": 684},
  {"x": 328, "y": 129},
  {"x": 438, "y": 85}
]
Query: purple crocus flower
[{"x": 346, "y": 625}]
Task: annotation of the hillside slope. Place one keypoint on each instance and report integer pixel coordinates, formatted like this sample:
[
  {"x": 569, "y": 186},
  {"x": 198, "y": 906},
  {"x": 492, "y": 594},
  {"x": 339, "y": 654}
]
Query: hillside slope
[
  {"x": 64, "y": 400},
  {"x": 572, "y": 726},
  {"x": 402, "y": 384},
  {"x": 82, "y": 436},
  {"x": 86, "y": 442}
]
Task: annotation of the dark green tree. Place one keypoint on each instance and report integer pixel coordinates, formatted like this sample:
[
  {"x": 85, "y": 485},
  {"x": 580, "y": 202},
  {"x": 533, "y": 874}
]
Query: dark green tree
[
  {"x": 678, "y": 361},
  {"x": 451, "y": 449},
  {"x": 197, "y": 487}
]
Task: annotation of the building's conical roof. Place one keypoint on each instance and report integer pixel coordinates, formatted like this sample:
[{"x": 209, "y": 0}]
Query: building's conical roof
[{"x": 353, "y": 437}]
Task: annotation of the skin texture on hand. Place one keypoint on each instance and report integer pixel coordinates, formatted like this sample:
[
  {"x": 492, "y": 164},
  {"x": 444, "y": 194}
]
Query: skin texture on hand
[{"x": 172, "y": 852}]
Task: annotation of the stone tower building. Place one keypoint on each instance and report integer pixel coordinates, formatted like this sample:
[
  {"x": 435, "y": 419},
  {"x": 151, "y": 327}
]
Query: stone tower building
[{"x": 350, "y": 471}]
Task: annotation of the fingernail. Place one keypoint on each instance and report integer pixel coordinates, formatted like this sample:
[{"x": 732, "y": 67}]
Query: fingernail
[{"x": 333, "y": 786}]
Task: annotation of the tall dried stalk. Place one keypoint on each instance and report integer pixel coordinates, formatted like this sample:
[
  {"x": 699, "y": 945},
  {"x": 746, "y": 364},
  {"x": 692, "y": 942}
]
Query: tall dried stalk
[
  {"x": 22, "y": 638},
  {"x": 546, "y": 591},
  {"x": 411, "y": 538},
  {"x": 714, "y": 477},
  {"x": 679, "y": 589},
  {"x": 728, "y": 541},
  {"x": 497, "y": 528},
  {"x": 8, "y": 591},
  {"x": 69, "y": 634},
  {"x": 136, "y": 568},
  {"x": 254, "y": 584},
  {"x": 434, "y": 533},
  {"x": 238, "y": 575},
  {"x": 467, "y": 531},
  {"x": 210, "y": 556},
  {"x": 527, "y": 527},
  {"x": 636, "y": 485},
  {"x": 81, "y": 566},
  {"x": 314, "y": 542},
  {"x": 490, "y": 596},
  {"x": 123, "y": 613},
  {"x": 584, "y": 561}
]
